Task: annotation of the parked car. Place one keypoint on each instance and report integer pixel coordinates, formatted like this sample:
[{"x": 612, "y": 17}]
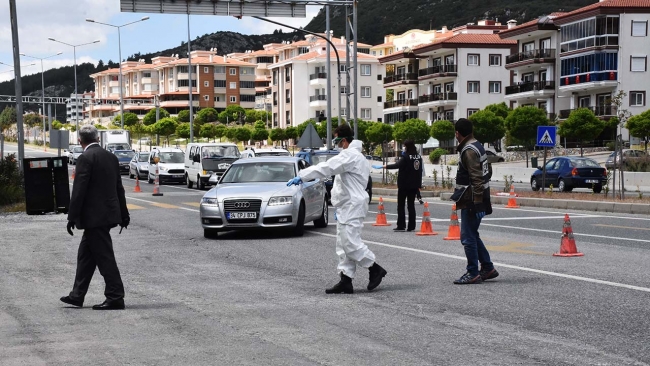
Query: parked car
[
  {"x": 629, "y": 157},
  {"x": 206, "y": 158},
  {"x": 124, "y": 157},
  {"x": 139, "y": 165},
  {"x": 253, "y": 193},
  {"x": 494, "y": 158},
  {"x": 568, "y": 172},
  {"x": 74, "y": 153},
  {"x": 170, "y": 165},
  {"x": 313, "y": 157},
  {"x": 253, "y": 152}
]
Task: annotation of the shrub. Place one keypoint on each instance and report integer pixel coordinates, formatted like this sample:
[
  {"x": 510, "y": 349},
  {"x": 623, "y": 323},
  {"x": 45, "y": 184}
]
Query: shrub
[
  {"x": 435, "y": 155},
  {"x": 11, "y": 181},
  {"x": 610, "y": 146}
]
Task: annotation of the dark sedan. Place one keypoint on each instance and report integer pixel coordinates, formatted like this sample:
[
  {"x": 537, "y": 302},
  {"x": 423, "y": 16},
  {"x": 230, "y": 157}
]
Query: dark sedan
[
  {"x": 124, "y": 157},
  {"x": 566, "y": 173}
]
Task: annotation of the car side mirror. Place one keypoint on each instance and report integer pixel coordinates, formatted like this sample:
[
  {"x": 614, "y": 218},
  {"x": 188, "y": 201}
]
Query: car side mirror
[
  {"x": 196, "y": 159},
  {"x": 539, "y": 168}
]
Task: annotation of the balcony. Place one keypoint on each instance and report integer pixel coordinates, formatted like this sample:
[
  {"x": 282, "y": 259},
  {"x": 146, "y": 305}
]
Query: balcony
[
  {"x": 439, "y": 97},
  {"x": 530, "y": 86},
  {"x": 318, "y": 78},
  {"x": 438, "y": 71},
  {"x": 604, "y": 77},
  {"x": 535, "y": 56},
  {"x": 407, "y": 78},
  {"x": 317, "y": 100},
  {"x": 599, "y": 111},
  {"x": 401, "y": 103}
]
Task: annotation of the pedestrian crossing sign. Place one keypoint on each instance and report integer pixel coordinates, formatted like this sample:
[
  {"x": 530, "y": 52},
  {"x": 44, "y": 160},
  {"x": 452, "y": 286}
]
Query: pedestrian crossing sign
[{"x": 546, "y": 136}]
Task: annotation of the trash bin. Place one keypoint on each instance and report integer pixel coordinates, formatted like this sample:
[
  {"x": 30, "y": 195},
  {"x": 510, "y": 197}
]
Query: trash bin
[
  {"x": 47, "y": 188},
  {"x": 533, "y": 161},
  {"x": 61, "y": 183}
]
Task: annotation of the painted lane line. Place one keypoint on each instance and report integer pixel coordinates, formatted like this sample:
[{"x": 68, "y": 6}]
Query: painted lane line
[
  {"x": 526, "y": 269},
  {"x": 154, "y": 202},
  {"x": 560, "y": 233},
  {"x": 623, "y": 227},
  {"x": 512, "y": 218}
]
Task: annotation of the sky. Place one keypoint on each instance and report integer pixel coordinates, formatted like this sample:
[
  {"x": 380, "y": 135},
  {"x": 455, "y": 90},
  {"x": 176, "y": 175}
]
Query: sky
[{"x": 65, "y": 20}]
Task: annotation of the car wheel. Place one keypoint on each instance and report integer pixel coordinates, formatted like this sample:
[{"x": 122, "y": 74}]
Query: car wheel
[
  {"x": 199, "y": 185},
  {"x": 598, "y": 189},
  {"x": 211, "y": 233},
  {"x": 299, "y": 230},
  {"x": 323, "y": 220},
  {"x": 561, "y": 186},
  {"x": 534, "y": 185},
  {"x": 188, "y": 181}
]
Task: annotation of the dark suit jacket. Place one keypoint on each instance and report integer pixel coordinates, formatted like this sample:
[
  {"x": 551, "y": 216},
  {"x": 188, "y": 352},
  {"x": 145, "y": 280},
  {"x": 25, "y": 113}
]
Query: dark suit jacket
[{"x": 97, "y": 193}]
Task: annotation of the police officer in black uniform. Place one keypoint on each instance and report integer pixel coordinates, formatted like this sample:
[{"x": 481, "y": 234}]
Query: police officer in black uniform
[{"x": 409, "y": 181}]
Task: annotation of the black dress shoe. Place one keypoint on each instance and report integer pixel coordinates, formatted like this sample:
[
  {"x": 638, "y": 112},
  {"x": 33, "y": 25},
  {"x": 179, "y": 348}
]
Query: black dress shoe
[
  {"x": 69, "y": 301},
  {"x": 110, "y": 305}
]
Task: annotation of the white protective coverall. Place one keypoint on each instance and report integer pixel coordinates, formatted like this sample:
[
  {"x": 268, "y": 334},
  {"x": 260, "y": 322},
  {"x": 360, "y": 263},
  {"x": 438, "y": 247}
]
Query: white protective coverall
[{"x": 350, "y": 199}]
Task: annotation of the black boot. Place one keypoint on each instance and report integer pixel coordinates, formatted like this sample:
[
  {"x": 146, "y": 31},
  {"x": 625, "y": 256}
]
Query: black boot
[
  {"x": 376, "y": 275},
  {"x": 343, "y": 287}
]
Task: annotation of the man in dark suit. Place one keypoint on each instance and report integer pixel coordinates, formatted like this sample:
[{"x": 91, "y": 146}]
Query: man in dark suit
[{"x": 97, "y": 205}]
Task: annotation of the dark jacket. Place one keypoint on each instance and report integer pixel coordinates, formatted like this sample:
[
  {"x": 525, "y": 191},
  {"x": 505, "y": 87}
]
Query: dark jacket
[
  {"x": 409, "y": 174},
  {"x": 473, "y": 171},
  {"x": 97, "y": 193}
]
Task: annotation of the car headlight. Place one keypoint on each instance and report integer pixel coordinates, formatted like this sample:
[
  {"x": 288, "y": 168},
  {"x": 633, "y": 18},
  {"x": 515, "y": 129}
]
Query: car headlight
[
  {"x": 281, "y": 200},
  {"x": 223, "y": 166},
  {"x": 210, "y": 201},
  {"x": 207, "y": 172},
  {"x": 162, "y": 168}
]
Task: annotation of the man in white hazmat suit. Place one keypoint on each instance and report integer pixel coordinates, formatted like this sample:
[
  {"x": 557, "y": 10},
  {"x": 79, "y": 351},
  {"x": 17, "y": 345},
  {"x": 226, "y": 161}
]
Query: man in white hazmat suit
[{"x": 350, "y": 199}]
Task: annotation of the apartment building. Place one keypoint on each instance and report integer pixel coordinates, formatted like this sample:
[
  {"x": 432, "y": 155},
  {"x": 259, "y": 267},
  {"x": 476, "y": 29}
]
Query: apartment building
[
  {"x": 262, "y": 58},
  {"x": 582, "y": 58},
  {"x": 299, "y": 82},
  {"x": 448, "y": 76},
  {"x": 74, "y": 107}
]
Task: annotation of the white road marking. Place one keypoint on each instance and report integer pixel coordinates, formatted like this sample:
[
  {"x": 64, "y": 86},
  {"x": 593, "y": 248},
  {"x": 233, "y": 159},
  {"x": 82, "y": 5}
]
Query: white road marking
[
  {"x": 574, "y": 233},
  {"x": 533, "y": 270},
  {"x": 154, "y": 202}
]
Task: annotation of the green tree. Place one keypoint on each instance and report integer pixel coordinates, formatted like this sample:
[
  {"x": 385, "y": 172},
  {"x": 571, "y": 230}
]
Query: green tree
[
  {"x": 232, "y": 113},
  {"x": 129, "y": 119},
  {"x": 300, "y": 129},
  {"x": 277, "y": 134},
  {"x": 522, "y": 125},
  {"x": 56, "y": 125},
  {"x": 259, "y": 134},
  {"x": 229, "y": 133},
  {"x": 150, "y": 118},
  {"x": 183, "y": 130},
  {"x": 411, "y": 129},
  {"x": 208, "y": 114},
  {"x": 582, "y": 125},
  {"x": 263, "y": 116},
  {"x": 291, "y": 133},
  {"x": 390, "y": 95},
  {"x": 220, "y": 131},
  {"x": 242, "y": 134},
  {"x": 208, "y": 130},
  {"x": 251, "y": 116},
  {"x": 259, "y": 125},
  {"x": 7, "y": 118},
  {"x": 443, "y": 131},
  {"x": 165, "y": 127},
  {"x": 488, "y": 127},
  {"x": 32, "y": 120},
  {"x": 639, "y": 126},
  {"x": 321, "y": 128},
  {"x": 378, "y": 133},
  {"x": 500, "y": 109},
  {"x": 183, "y": 116}
]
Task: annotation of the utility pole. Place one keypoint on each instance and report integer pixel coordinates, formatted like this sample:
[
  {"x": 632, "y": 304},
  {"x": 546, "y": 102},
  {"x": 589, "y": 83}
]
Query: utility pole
[
  {"x": 329, "y": 81},
  {"x": 19, "y": 86},
  {"x": 189, "y": 74}
]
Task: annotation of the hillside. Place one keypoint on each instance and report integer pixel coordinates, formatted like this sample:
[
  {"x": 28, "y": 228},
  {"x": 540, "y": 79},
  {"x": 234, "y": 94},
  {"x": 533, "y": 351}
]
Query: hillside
[{"x": 380, "y": 17}]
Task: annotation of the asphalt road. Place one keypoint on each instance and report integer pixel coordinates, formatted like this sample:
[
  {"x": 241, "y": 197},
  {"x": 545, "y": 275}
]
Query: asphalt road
[{"x": 251, "y": 298}]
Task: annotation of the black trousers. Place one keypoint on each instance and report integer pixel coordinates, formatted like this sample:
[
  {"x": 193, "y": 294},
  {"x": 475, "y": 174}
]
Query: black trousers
[
  {"x": 407, "y": 195},
  {"x": 96, "y": 251}
]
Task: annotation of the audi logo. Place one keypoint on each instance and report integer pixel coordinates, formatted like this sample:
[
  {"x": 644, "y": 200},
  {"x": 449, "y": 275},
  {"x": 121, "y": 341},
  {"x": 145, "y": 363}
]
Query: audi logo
[{"x": 242, "y": 205}]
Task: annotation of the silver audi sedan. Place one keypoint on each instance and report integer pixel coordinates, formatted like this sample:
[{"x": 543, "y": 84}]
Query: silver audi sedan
[{"x": 253, "y": 193}]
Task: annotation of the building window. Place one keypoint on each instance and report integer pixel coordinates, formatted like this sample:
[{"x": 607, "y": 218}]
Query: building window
[
  {"x": 473, "y": 59},
  {"x": 495, "y": 60},
  {"x": 275, "y": 77},
  {"x": 287, "y": 74},
  {"x": 344, "y": 90},
  {"x": 638, "y": 63},
  {"x": 287, "y": 96},
  {"x": 495, "y": 87},
  {"x": 206, "y": 98},
  {"x": 275, "y": 120},
  {"x": 639, "y": 28},
  {"x": 205, "y": 70},
  {"x": 637, "y": 99},
  {"x": 184, "y": 83},
  {"x": 247, "y": 98},
  {"x": 206, "y": 83},
  {"x": 471, "y": 111},
  {"x": 288, "y": 118},
  {"x": 344, "y": 111},
  {"x": 232, "y": 71},
  {"x": 246, "y": 71},
  {"x": 247, "y": 84},
  {"x": 365, "y": 113},
  {"x": 182, "y": 69},
  {"x": 473, "y": 87},
  {"x": 365, "y": 92},
  {"x": 365, "y": 70},
  {"x": 219, "y": 83},
  {"x": 146, "y": 74},
  {"x": 342, "y": 67},
  {"x": 379, "y": 99},
  {"x": 219, "y": 69},
  {"x": 233, "y": 85},
  {"x": 217, "y": 98},
  {"x": 233, "y": 99},
  {"x": 374, "y": 53},
  {"x": 449, "y": 87}
]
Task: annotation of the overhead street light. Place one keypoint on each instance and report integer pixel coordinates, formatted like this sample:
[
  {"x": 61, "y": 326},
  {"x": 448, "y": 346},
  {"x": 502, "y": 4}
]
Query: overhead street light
[
  {"x": 119, "y": 45},
  {"x": 76, "y": 97},
  {"x": 42, "y": 84}
]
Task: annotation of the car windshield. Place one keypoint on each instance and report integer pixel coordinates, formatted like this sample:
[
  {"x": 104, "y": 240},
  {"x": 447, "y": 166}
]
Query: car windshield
[
  {"x": 218, "y": 152},
  {"x": 118, "y": 147},
  {"x": 78, "y": 149},
  {"x": 320, "y": 158},
  {"x": 584, "y": 163},
  {"x": 273, "y": 153},
  {"x": 171, "y": 157},
  {"x": 143, "y": 158},
  {"x": 259, "y": 172},
  {"x": 124, "y": 154}
]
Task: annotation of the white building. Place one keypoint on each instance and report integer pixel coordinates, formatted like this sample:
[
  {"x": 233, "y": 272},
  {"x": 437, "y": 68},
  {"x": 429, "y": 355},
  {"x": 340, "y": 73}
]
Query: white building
[{"x": 74, "y": 108}]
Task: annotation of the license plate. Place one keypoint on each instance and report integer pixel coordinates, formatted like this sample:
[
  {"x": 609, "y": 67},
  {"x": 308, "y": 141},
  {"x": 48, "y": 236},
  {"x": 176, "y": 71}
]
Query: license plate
[
  {"x": 177, "y": 176},
  {"x": 241, "y": 215},
  {"x": 592, "y": 181}
]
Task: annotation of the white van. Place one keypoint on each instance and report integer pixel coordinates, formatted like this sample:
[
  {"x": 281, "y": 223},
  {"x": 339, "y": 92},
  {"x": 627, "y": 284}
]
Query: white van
[
  {"x": 204, "y": 159},
  {"x": 255, "y": 152}
]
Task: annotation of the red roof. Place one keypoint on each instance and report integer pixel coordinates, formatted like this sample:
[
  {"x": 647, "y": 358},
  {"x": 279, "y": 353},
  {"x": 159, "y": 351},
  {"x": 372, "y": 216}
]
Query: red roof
[{"x": 610, "y": 4}]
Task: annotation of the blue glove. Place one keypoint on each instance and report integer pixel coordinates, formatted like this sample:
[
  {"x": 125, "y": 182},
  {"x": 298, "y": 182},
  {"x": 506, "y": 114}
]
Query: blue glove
[
  {"x": 294, "y": 181},
  {"x": 378, "y": 167},
  {"x": 480, "y": 215},
  {"x": 479, "y": 209},
  {"x": 335, "y": 217}
]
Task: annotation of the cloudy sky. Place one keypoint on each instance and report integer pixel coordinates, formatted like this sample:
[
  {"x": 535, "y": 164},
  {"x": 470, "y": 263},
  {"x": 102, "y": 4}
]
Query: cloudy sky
[{"x": 65, "y": 20}]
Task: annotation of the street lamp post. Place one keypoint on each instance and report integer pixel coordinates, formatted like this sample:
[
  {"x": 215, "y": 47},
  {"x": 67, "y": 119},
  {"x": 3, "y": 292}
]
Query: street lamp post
[
  {"x": 76, "y": 96},
  {"x": 42, "y": 85},
  {"x": 119, "y": 46}
]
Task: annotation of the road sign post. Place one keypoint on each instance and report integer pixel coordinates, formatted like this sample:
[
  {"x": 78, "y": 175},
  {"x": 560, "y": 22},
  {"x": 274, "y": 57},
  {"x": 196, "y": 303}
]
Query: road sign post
[{"x": 546, "y": 136}]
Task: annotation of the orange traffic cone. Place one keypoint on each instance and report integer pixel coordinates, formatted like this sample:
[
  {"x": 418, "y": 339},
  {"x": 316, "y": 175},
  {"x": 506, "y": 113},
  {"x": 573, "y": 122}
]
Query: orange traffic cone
[
  {"x": 512, "y": 201},
  {"x": 454, "y": 228},
  {"x": 568, "y": 244},
  {"x": 381, "y": 216},
  {"x": 426, "y": 228},
  {"x": 137, "y": 184},
  {"x": 156, "y": 186},
  {"x": 73, "y": 171}
]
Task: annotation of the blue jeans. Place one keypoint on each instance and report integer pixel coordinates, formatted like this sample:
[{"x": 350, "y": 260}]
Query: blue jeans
[{"x": 475, "y": 250}]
